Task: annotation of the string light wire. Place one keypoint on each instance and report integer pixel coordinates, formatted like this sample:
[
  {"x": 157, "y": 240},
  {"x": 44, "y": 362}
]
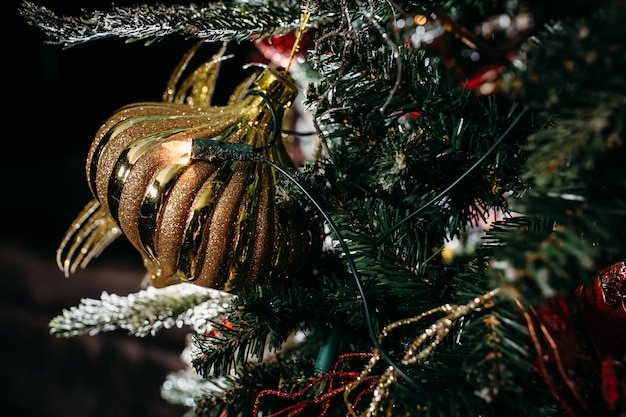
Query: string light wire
[
  {"x": 446, "y": 190},
  {"x": 249, "y": 153}
]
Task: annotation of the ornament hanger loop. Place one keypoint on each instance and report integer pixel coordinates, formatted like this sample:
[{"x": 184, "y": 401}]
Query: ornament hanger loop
[{"x": 304, "y": 17}]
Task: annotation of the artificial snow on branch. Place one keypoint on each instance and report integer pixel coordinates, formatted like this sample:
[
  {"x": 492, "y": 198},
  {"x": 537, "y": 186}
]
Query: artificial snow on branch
[
  {"x": 216, "y": 21},
  {"x": 185, "y": 387},
  {"x": 145, "y": 312}
]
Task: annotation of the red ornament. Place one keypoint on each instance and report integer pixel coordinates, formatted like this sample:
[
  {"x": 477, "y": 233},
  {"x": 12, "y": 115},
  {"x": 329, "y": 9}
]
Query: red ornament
[
  {"x": 602, "y": 306},
  {"x": 277, "y": 48},
  {"x": 483, "y": 80},
  {"x": 562, "y": 360},
  {"x": 588, "y": 380}
]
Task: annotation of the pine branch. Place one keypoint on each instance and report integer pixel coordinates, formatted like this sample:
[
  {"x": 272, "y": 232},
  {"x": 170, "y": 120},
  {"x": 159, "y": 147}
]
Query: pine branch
[
  {"x": 483, "y": 366},
  {"x": 287, "y": 372},
  {"x": 432, "y": 132},
  {"x": 552, "y": 71},
  {"x": 144, "y": 313},
  {"x": 261, "y": 321},
  {"x": 400, "y": 129},
  {"x": 403, "y": 258},
  {"x": 576, "y": 185},
  {"x": 218, "y": 21},
  {"x": 187, "y": 388}
]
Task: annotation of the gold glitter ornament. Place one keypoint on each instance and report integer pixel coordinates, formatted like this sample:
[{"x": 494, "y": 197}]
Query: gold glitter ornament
[{"x": 213, "y": 222}]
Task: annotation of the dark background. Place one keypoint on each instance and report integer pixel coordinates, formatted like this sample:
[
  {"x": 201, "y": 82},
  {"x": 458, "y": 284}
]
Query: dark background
[{"x": 54, "y": 101}]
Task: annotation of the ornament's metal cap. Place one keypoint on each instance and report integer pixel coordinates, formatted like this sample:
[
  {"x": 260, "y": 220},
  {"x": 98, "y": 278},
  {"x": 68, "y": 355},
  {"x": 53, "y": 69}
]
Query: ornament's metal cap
[{"x": 276, "y": 86}]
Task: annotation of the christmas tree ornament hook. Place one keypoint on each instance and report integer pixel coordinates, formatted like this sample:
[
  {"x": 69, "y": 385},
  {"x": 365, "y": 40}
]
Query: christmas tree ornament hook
[{"x": 304, "y": 18}]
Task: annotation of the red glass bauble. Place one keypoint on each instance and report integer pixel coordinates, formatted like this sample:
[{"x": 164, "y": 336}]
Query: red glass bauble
[{"x": 277, "y": 48}]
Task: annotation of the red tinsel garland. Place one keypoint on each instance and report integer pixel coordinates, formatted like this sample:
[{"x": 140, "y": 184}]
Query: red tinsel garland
[{"x": 323, "y": 401}]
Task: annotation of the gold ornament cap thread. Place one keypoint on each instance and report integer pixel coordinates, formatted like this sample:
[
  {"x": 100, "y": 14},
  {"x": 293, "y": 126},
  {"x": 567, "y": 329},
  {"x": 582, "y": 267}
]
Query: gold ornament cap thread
[{"x": 276, "y": 86}]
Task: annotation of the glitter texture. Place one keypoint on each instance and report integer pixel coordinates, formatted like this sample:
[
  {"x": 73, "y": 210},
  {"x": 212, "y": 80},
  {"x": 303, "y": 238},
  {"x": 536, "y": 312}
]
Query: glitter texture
[{"x": 212, "y": 222}]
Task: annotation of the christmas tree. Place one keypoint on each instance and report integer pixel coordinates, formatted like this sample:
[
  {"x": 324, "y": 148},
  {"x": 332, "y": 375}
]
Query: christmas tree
[{"x": 449, "y": 242}]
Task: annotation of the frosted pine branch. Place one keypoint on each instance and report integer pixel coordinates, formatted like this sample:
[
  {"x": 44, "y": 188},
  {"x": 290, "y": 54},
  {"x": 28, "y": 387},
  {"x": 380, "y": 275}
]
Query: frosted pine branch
[
  {"x": 145, "y": 312},
  {"x": 214, "y": 21},
  {"x": 185, "y": 387}
]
